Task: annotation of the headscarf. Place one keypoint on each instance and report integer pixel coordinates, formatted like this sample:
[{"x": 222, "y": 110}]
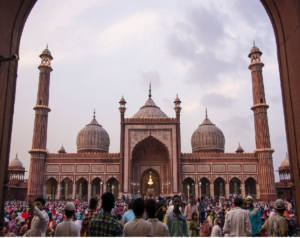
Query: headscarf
[{"x": 205, "y": 229}]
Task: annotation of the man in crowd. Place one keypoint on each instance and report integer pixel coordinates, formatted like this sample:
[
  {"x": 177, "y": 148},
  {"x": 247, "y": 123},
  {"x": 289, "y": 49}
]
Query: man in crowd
[
  {"x": 217, "y": 230},
  {"x": 159, "y": 229},
  {"x": 129, "y": 215},
  {"x": 138, "y": 226},
  {"x": 189, "y": 210},
  {"x": 176, "y": 220},
  {"x": 92, "y": 213},
  {"x": 41, "y": 219},
  {"x": 105, "y": 224},
  {"x": 68, "y": 227},
  {"x": 255, "y": 216},
  {"x": 276, "y": 224},
  {"x": 202, "y": 206},
  {"x": 237, "y": 221},
  {"x": 160, "y": 203}
]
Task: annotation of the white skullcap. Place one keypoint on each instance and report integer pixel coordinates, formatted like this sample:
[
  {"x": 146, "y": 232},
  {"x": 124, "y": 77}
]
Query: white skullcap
[{"x": 70, "y": 206}]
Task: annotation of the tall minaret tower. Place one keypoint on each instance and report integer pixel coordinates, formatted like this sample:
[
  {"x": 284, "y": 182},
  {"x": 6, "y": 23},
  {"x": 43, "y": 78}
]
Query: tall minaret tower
[
  {"x": 38, "y": 151},
  {"x": 263, "y": 150}
]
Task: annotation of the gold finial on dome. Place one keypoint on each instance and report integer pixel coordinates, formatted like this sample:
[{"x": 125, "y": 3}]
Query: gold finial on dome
[
  {"x": 94, "y": 113},
  {"x": 206, "y": 112}
]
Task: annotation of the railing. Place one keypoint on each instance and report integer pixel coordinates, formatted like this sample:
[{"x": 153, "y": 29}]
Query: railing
[
  {"x": 216, "y": 155},
  {"x": 85, "y": 155}
]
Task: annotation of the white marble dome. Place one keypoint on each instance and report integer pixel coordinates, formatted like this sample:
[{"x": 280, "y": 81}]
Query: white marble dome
[
  {"x": 150, "y": 110},
  {"x": 93, "y": 138},
  {"x": 208, "y": 138},
  {"x": 16, "y": 162},
  {"x": 285, "y": 162}
]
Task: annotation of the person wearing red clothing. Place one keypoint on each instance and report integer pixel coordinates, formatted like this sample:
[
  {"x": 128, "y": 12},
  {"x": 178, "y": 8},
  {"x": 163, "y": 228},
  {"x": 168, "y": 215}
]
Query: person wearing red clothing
[{"x": 25, "y": 214}]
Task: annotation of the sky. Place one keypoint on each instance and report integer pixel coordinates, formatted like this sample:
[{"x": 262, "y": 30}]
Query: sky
[{"x": 104, "y": 49}]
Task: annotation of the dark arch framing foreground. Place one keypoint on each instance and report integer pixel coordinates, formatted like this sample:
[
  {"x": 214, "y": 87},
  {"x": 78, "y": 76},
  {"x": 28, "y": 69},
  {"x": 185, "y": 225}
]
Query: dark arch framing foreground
[{"x": 285, "y": 18}]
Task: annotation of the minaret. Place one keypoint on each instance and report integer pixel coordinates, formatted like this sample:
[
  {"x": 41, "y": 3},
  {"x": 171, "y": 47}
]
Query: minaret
[
  {"x": 263, "y": 150},
  {"x": 39, "y": 142},
  {"x": 177, "y": 109},
  {"x": 122, "y": 110}
]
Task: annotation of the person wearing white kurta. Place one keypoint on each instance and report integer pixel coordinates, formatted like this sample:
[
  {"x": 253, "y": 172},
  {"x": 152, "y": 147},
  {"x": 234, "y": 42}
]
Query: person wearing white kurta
[
  {"x": 159, "y": 229},
  {"x": 237, "y": 221},
  {"x": 40, "y": 221},
  {"x": 216, "y": 231},
  {"x": 138, "y": 227},
  {"x": 67, "y": 228}
]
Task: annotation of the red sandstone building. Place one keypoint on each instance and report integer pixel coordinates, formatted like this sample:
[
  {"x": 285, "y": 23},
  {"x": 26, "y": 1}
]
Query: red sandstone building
[
  {"x": 284, "y": 186},
  {"x": 17, "y": 185},
  {"x": 150, "y": 149}
]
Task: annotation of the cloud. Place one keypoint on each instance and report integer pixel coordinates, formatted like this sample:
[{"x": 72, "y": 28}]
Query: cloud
[
  {"x": 237, "y": 126},
  {"x": 275, "y": 99},
  {"x": 216, "y": 100},
  {"x": 206, "y": 69},
  {"x": 150, "y": 77},
  {"x": 168, "y": 103},
  {"x": 179, "y": 48},
  {"x": 201, "y": 42},
  {"x": 207, "y": 25}
]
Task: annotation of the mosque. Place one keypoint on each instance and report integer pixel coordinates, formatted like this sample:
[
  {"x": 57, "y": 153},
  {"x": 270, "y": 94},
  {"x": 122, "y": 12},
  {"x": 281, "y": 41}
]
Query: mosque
[{"x": 150, "y": 161}]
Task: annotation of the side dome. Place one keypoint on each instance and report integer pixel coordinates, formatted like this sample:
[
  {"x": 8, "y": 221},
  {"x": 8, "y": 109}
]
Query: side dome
[
  {"x": 16, "y": 163},
  {"x": 150, "y": 109},
  {"x": 208, "y": 138},
  {"x": 285, "y": 162},
  {"x": 46, "y": 52},
  {"x": 93, "y": 138}
]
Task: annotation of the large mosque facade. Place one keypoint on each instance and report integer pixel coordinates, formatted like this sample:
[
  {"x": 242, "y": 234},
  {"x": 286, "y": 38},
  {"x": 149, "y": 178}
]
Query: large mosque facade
[{"x": 150, "y": 161}]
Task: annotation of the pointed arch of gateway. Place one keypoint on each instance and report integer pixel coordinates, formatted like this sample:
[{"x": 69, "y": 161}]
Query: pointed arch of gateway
[
  {"x": 219, "y": 187},
  {"x": 97, "y": 187},
  {"x": 51, "y": 187},
  {"x": 235, "y": 186},
  {"x": 66, "y": 186},
  {"x": 150, "y": 149},
  {"x": 188, "y": 186},
  {"x": 150, "y": 190},
  {"x": 82, "y": 188},
  {"x": 204, "y": 187},
  {"x": 250, "y": 187},
  {"x": 150, "y": 154},
  {"x": 112, "y": 186}
]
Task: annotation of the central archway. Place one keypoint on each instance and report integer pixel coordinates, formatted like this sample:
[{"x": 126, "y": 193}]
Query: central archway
[
  {"x": 150, "y": 190},
  {"x": 150, "y": 149},
  {"x": 150, "y": 155}
]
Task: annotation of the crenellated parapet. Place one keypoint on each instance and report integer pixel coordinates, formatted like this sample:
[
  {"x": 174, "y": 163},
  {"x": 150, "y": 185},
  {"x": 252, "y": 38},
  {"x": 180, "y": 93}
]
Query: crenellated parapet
[
  {"x": 217, "y": 155},
  {"x": 84, "y": 155},
  {"x": 150, "y": 120}
]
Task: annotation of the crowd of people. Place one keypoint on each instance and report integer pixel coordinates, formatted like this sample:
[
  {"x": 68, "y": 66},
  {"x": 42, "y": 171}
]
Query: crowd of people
[{"x": 164, "y": 216}]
